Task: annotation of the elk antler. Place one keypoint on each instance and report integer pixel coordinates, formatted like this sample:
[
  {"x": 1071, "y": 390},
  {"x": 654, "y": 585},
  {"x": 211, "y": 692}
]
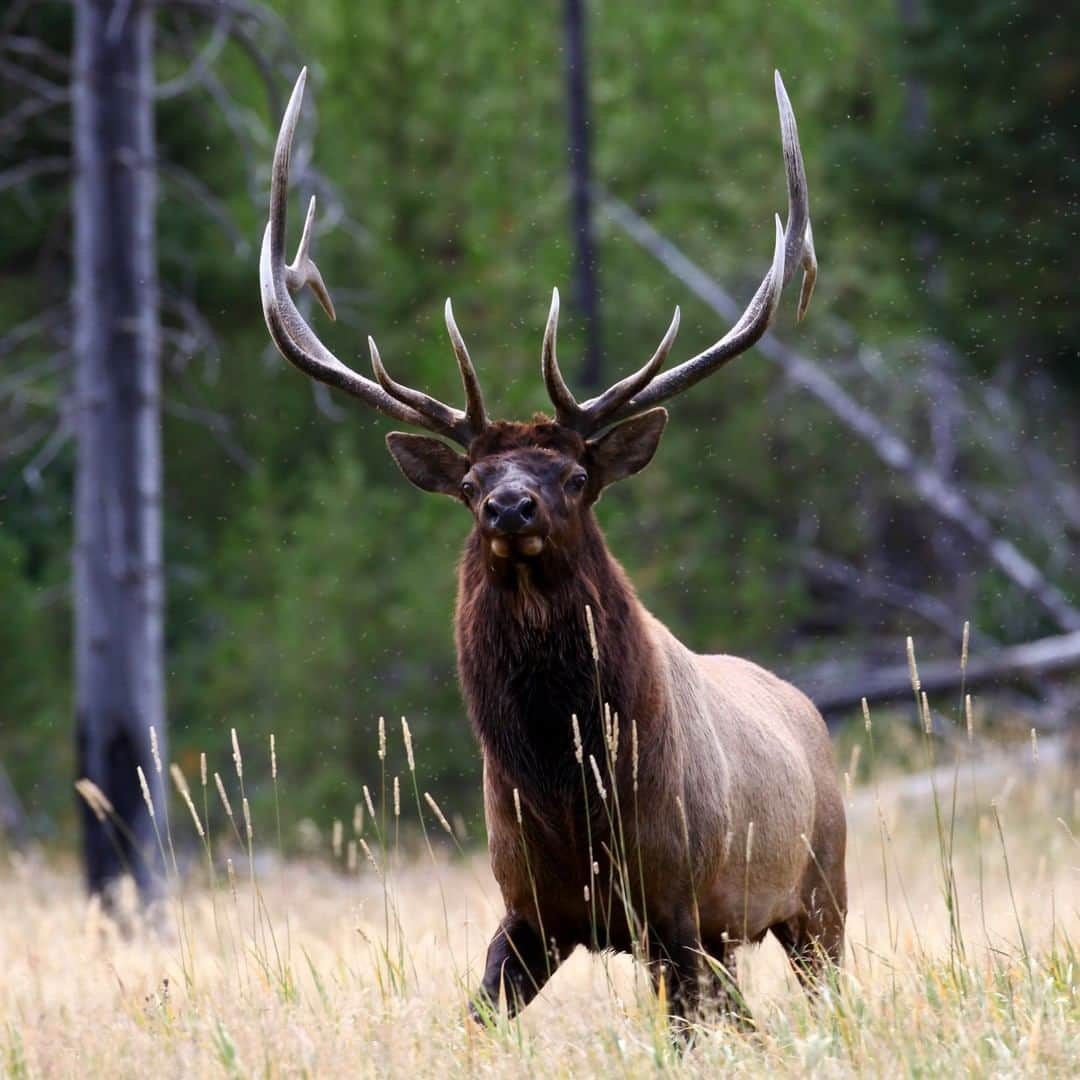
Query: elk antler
[
  {"x": 645, "y": 388},
  {"x": 298, "y": 343}
]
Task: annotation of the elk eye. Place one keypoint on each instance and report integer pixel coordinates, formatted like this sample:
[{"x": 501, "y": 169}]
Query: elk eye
[
  {"x": 576, "y": 483},
  {"x": 468, "y": 488}
]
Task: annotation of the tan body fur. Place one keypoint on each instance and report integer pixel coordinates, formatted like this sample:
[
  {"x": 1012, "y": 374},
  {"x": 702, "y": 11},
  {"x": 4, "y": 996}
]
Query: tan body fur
[
  {"x": 741, "y": 747},
  {"x": 732, "y": 762}
]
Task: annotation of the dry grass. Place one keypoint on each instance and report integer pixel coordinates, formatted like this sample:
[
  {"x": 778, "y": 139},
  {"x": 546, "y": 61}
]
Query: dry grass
[{"x": 323, "y": 971}]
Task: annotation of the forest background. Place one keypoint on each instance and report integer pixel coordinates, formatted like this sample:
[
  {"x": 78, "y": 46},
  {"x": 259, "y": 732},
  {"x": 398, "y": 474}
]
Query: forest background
[{"x": 310, "y": 590}]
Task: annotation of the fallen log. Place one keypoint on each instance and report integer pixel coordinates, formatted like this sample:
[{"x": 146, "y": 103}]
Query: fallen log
[{"x": 1011, "y": 664}]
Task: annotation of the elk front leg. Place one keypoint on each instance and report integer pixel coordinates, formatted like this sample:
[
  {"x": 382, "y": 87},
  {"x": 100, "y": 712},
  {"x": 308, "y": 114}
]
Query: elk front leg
[
  {"x": 675, "y": 959},
  {"x": 722, "y": 986},
  {"x": 517, "y": 961}
]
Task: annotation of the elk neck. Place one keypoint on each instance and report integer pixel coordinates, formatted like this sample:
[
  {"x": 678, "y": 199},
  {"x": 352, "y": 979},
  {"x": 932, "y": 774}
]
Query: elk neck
[{"x": 526, "y": 662}]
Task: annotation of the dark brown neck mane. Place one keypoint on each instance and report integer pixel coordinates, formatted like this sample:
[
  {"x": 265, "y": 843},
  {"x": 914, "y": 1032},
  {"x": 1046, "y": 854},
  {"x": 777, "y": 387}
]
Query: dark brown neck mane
[{"x": 526, "y": 663}]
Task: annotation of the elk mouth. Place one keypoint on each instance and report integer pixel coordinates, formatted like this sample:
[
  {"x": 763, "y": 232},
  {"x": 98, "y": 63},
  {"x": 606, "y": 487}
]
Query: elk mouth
[{"x": 510, "y": 545}]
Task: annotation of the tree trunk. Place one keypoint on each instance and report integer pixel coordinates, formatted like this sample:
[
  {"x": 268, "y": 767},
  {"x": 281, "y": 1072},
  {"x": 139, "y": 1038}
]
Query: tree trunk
[
  {"x": 119, "y": 684},
  {"x": 586, "y": 291}
]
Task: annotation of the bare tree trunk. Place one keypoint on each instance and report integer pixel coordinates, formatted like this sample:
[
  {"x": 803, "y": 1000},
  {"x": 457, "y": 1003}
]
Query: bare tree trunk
[
  {"x": 119, "y": 684},
  {"x": 586, "y": 290}
]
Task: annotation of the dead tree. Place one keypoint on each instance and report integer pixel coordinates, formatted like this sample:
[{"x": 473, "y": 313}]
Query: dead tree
[
  {"x": 119, "y": 337},
  {"x": 586, "y": 289},
  {"x": 119, "y": 677}
]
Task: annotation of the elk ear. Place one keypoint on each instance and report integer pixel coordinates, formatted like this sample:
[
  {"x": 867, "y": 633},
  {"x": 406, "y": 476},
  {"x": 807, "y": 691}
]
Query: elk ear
[
  {"x": 428, "y": 463},
  {"x": 626, "y": 449}
]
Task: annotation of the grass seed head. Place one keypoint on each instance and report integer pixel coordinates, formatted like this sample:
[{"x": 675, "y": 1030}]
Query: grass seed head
[
  {"x": 599, "y": 782},
  {"x": 437, "y": 811},
  {"x": 853, "y": 761},
  {"x": 181, "y": 784},
  {"x": 154, "y": 749},
  {"x": 146, "y": 792},
  {"x": 913, "y": 669},
  {"x": 224, "y": 795},
  {"x": 369, "y": 854},
  {"x": 238, "y": 761},
  {"x": 95, "y": 798},
  {"x": 592, "y": 634}
]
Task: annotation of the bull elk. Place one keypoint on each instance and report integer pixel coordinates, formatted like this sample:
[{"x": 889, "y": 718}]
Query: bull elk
[{"x": 638, "y": 796}]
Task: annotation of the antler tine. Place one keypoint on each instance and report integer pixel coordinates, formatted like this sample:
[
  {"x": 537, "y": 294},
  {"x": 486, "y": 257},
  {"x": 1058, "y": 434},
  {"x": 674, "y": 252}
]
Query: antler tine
[
  {"x": 799, "y": 236},
  {"x": 294, "y": 338},
  {"x": 303, "y": 271},
  {"x": 567, "y": 410},
  {"x": 599, "y": 408},
  {"x": 752, "y": 324},
  {"x": 475, "y": 414},
  {"x": 793, "y": 246},
  {"x": 809, "y": 265},
  {"x": 447, "y": 420}
]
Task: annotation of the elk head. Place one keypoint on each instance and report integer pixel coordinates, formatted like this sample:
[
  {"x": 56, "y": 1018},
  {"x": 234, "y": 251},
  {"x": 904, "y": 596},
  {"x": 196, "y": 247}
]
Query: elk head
[{"x": 528, "y": 485}]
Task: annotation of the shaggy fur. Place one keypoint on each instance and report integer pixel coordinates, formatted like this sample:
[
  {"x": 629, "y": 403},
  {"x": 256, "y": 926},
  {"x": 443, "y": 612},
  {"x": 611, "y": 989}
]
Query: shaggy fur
[{"x": 734, "y": 824}]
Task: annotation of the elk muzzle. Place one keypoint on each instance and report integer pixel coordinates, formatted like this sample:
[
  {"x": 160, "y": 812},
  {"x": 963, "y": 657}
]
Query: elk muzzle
[{"x": 508, "y": 513}]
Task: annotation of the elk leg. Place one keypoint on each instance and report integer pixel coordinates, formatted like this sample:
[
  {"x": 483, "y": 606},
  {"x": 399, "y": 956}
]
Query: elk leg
[
  {"x": 814, "y": 939},
  {"x": 722, "y": 986},
  {"x": 517, "y": 962},
  {"x": 675, "y": 960}
]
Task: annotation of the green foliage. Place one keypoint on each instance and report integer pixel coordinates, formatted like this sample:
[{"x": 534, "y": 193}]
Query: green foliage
[
  {"x": 966, "y": 140},
  {"x": 318, "y": 622},
  {"x": 35, "y": 722}
]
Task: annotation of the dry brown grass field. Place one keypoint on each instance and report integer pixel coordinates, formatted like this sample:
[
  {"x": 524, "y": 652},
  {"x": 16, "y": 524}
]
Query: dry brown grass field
[{"x": 338, "y": 967}]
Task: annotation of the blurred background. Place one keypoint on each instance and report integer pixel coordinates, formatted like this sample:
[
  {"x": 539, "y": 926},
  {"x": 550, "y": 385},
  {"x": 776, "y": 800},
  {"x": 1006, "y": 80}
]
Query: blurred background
[{"x": 902, "y": 461}]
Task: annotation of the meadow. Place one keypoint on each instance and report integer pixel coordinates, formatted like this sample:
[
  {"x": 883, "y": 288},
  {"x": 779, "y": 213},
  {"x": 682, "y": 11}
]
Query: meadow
[{"x": 358, "y": 961}]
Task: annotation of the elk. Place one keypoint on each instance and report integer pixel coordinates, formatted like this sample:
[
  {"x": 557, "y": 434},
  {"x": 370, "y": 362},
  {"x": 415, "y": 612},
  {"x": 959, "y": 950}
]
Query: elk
[{"x": 638, "y": 796}]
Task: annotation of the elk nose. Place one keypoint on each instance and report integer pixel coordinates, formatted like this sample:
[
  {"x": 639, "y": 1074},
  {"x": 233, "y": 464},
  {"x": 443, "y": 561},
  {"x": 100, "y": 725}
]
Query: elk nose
[{"x": 509, "y": 511}]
